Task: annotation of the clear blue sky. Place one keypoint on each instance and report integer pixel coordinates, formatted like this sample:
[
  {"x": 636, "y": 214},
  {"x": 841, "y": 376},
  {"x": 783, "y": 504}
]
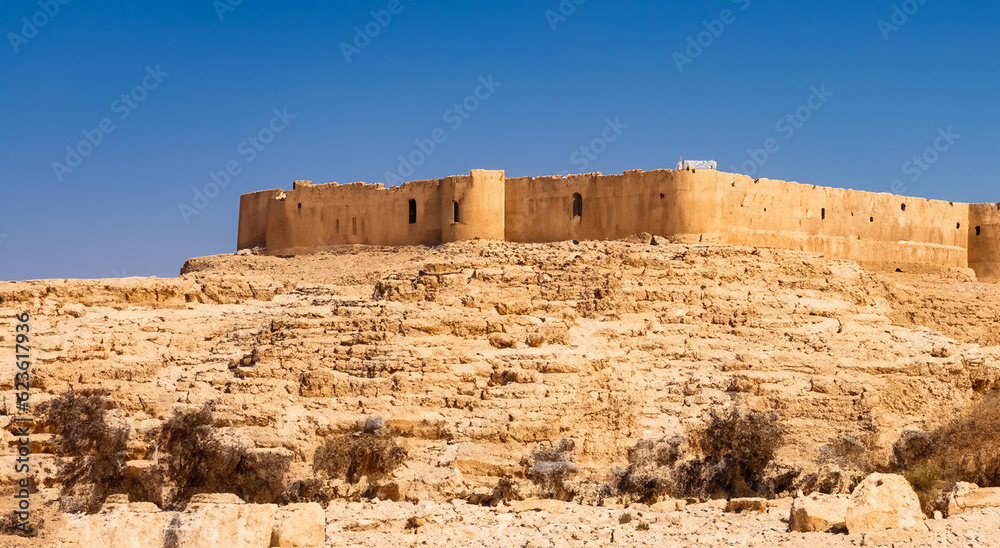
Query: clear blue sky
[{"x": 197, "y": 85}]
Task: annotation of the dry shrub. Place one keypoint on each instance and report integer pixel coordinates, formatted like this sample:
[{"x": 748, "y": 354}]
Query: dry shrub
[
  {"x": 737, "y": 449},
  {"x": 966, "y": 449},
  {"x": 648, "y": 477},
  {"x": 93, "y": 453},
  {"x": 370, "y": 452},
  {"x": 550, "y": 469},
  {"x": 199, "y": 462},
  {"x": 307, "y": 490},
  {"x": 9, "y": 526},
  {"x": 727, "y": 458}
]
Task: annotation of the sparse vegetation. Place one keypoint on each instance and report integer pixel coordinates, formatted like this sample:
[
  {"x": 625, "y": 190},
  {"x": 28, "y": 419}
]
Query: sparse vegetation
[
  {"x": 648, "y": 477},
  {"x": 198, "y": 461},
  {"x": 93, "y": 453},
  {"x": 550, "y": 469},
  {"x": 9, "y": 526},
  {"x": 737, "y": 448},
  {"x": 727, "y": 458},
  {"x": 370, "y": 452},
  {"x": 966, "y": 449}
]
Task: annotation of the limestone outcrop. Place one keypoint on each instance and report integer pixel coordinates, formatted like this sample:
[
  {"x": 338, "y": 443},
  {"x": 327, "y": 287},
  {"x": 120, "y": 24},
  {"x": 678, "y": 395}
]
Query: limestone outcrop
[
  {"x": 818, "y": 512},
  {"x": 965, "y": 497},
  {"x": 507, "y": 372}
]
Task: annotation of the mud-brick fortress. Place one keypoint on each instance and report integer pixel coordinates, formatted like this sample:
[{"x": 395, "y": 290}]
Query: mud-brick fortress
[{"x": 880, "y": 231}]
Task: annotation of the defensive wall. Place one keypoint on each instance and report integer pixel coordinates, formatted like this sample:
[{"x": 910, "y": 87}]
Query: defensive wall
[{"x": 881, "y": 231}]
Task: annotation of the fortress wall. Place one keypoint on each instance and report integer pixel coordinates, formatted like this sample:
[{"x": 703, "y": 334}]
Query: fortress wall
[
  {"x": 252, "y": 230},
  {"x": 873, "y": 229},
  {"x": 710, "y": 206},
  {"x": 879, "y": 230},
  {"x": 541, "y": 209},
  {"x": 314, "y": 216},
  {"x": 984, "y": 246}
]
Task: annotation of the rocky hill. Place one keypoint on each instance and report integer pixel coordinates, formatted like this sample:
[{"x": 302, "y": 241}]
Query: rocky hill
[{"x": 597, "y": 373}]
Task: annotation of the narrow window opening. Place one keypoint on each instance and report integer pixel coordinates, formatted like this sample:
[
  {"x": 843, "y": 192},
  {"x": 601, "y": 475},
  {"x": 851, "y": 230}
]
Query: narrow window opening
[
  {"x": 661, "y": 194},
  {"x": 822, "y": 213},
  {"x": 577, "y": 205},
  {"x": 902, "y": 207},
  {"x": 871, "y": 219},
  {"x": 958, "y": 225},
  {"x": 978, "y": 230},
  {"x": 300, "y": 205},
  {"x": 337, "y": 227},
  {"x": 456, "y": 217},
  {"x": 354, "y": 225},
  {"x": 413, "y": 212}
]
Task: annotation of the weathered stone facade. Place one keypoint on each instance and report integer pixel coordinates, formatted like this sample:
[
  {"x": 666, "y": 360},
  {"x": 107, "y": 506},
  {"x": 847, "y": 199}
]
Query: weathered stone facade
[{"x": 879, "y": 230}]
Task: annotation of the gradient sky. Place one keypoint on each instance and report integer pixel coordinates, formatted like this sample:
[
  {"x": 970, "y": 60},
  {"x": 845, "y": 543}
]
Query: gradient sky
[{"x": 215, "y": 73}]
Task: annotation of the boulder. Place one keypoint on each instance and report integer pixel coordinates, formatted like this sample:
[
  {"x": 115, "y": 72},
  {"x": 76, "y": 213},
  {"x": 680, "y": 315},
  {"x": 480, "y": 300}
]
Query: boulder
[
  {"x": 222, "y": 524},
  {"x": 300, "y": 525},
  {"x": 883, "y": 501},
  {"x": 969, "y": 496},
  {"x": 818, "y": 512}
]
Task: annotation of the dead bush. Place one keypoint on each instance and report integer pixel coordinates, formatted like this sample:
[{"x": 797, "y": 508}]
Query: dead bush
[
  {"x": 550, "y": 469},
  {"x": 9, "y": 525},
  {"x": 93, "y": 453},
  {"x": 966, "y": 449},
  {"x": 737, "y": 448},
  {"x": 197, "y": 461},
  {"x": 648, "y": 477},
  {"x": 727, "y": 458},
  {"x": 370, "y": 452},
  {"x": 307, "y": 490}
]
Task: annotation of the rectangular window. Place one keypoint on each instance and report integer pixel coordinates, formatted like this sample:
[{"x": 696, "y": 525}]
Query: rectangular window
[
  {"x": 456, "y": 212},
  {"x": 413, "y": 212}
]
